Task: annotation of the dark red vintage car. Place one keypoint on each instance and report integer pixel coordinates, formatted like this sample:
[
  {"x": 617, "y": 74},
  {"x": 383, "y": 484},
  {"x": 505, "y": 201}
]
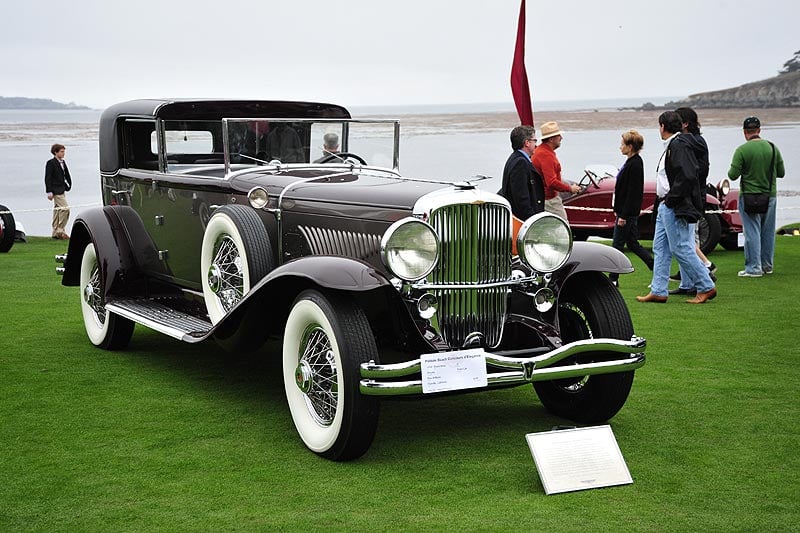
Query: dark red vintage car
[{"x": 590, "y": 211}]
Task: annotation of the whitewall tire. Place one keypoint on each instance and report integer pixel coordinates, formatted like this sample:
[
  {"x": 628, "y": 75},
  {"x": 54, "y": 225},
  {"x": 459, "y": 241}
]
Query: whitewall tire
[
  {"x": 325, "y": 341},
  {"x": 104, "y": 329}
]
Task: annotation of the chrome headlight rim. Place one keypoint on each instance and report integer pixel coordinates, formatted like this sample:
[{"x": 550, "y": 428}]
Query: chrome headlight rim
[
  {"x": 258, "y": 197},
  {"x": 385, "y": 248},
  {"x": 523, "y": 233}
]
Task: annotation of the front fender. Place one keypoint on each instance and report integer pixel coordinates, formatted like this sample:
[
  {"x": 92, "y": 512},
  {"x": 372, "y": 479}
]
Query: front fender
[
  {"x": 264, "y": 309},
  {"x": 330, "y": 272},
  {"x": 598, "y": 257}
]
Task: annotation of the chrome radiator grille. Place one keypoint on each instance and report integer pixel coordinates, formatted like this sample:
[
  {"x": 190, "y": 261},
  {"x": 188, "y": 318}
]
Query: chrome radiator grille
[{"x": 475, "y": 249}]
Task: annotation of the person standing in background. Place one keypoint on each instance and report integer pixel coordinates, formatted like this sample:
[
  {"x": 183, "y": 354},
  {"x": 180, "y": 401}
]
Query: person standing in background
[
  {"x": 522, "y": 186},
  {"x": 547, "y": 165},
  {"x": 57, "y": 182},
  {"x": 691, "y": 126},
  {"x": 678, "y": 187},
  {"x": 628, "y": 194},
  {"x": 759, "y": 163}
]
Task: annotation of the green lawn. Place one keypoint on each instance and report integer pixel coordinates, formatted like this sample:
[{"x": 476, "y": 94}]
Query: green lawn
[{"x": 167, "y": 436}]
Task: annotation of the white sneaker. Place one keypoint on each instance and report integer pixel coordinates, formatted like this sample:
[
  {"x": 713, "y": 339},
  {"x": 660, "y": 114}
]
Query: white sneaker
[
  {"x": 767, "y": 270},
  {"x": 746, "y": 274}
]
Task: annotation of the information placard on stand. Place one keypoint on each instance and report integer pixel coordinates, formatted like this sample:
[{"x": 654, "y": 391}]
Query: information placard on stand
[{"x": 578, "y": 459}]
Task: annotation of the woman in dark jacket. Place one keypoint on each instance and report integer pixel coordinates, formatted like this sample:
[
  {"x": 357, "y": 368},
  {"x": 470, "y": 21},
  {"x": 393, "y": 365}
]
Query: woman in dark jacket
[{"x": 628, "y": 200}]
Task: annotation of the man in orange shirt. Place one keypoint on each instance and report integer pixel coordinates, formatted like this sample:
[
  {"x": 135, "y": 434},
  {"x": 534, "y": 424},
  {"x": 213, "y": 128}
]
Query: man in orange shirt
[{"x": 546, "y": 163}]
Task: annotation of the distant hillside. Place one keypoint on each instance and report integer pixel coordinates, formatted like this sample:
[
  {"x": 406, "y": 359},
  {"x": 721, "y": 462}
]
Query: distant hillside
[
  {"x": 782, "y": 90},
  {"x": 19, "y": 102}
]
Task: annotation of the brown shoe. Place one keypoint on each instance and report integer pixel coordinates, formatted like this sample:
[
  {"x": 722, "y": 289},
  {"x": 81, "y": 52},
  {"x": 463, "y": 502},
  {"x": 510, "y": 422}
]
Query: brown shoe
[
  {"x": 703, "y": 297},
  {"x": 652, "y": 298},
  {"x": 64, "y": 237}
]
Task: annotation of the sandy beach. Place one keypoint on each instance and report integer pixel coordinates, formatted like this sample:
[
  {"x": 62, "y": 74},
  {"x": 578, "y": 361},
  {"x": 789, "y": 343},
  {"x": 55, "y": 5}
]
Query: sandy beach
[{"x": 589, "y": 119}]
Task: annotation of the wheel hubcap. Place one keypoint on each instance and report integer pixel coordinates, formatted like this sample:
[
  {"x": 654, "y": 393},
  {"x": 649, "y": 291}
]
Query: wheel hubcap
[
  {"x": 214, "y": 278},
  {"x": 303, "y": 376}
]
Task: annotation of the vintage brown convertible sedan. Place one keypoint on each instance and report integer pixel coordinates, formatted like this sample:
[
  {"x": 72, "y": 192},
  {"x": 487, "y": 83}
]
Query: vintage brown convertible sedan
[{"x": 226, "y": 220}]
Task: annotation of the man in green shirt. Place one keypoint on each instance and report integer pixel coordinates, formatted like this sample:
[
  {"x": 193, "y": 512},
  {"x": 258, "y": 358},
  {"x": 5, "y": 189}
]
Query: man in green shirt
[{"x": 758, "y": 162}]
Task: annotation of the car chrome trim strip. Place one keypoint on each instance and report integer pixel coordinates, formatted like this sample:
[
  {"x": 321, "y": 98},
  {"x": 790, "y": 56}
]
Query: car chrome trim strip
[{"x": 523, "y": 369}]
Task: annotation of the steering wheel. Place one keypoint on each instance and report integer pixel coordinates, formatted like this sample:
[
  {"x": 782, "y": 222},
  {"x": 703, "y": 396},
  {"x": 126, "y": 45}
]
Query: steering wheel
[
  {"x": 341, "y": 157},
  {"x": 591, "y": 176}
]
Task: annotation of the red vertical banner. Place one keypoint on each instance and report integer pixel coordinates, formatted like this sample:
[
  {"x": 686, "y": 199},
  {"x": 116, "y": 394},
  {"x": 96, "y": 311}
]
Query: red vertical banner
[{"x": 519, "y": 76}]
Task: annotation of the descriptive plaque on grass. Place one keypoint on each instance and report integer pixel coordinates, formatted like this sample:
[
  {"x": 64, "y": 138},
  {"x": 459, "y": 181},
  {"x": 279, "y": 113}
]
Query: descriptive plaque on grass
[
  {"x": 578, "y": 459},
  {"x": 464, "y": 369}
]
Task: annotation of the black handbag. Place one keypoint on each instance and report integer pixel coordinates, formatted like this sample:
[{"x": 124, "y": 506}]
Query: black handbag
[{"x": 758, "y": 203}]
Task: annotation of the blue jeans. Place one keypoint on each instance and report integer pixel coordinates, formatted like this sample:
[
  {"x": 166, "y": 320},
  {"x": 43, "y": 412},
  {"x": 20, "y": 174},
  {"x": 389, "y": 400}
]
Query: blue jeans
[
  {"x": 759, "y": 238},
  {"x": 675, "y": 236}
]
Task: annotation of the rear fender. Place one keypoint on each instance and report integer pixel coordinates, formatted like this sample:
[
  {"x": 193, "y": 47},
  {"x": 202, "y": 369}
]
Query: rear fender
[{"x": 109, "y": 229}]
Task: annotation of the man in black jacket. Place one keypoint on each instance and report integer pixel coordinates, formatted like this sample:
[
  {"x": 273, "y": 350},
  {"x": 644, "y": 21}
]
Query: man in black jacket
[
  {"x": 678, "y": 186},
  {"x": 522, "y": 185},
  {"x": 56, "y": 182}
]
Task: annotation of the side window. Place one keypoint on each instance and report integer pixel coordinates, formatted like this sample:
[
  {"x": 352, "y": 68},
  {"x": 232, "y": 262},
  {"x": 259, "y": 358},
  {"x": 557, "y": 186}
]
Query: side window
[
  {"x": 191, "y": 143},
  {"x": 138, "y": 152}
]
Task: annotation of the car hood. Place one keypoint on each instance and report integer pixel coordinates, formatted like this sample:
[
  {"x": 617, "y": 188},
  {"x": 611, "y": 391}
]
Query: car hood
[{"x": 363, "y": 189}]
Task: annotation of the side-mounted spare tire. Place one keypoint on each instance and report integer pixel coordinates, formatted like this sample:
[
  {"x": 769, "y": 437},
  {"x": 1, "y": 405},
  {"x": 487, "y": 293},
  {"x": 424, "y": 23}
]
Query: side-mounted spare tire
[{"x": 236, "y": 254}]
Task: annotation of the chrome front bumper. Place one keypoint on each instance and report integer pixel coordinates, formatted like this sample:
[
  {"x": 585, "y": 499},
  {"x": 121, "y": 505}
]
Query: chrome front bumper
[{"x": 380, "y": 380}]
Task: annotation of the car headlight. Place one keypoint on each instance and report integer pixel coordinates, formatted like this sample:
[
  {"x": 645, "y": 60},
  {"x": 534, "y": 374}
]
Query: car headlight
[
  {"x": 258, "y": 197},
  {"x": 410, "y": 249},
  {"x": 724, "y": 187},
  {"x": 544, "y": 242}
]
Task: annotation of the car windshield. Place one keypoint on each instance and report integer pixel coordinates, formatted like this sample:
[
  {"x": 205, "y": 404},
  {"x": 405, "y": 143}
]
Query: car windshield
[{"x": 256, "y": 141}]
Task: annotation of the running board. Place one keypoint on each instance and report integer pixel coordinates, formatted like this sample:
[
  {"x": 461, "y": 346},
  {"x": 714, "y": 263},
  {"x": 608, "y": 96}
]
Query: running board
[{"x": 161, "y": 315}]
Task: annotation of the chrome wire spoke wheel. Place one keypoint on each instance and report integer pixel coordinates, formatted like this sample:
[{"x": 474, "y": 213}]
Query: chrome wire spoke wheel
[
  {"x": 93, "y": 298},
  {"x": 326, "y": 339},
  {"x": 226, "y": 277},
  {"x": 580, "y": 323},
  {"x": 104, "y": 329},
  {"x": 316, "y": 375}
]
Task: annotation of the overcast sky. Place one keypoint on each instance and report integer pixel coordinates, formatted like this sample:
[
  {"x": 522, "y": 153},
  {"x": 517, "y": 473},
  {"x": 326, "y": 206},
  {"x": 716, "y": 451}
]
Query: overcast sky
[{"x": 372, "y": 52}]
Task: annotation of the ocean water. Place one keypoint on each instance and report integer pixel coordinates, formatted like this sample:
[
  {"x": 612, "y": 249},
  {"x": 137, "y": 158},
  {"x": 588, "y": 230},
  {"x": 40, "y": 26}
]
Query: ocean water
[{"x": 26, "y": 136}]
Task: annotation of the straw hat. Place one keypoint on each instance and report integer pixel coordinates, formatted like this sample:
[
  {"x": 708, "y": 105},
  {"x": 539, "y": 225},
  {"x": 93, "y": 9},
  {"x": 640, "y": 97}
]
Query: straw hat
[{"x": 550, "y": 129}]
